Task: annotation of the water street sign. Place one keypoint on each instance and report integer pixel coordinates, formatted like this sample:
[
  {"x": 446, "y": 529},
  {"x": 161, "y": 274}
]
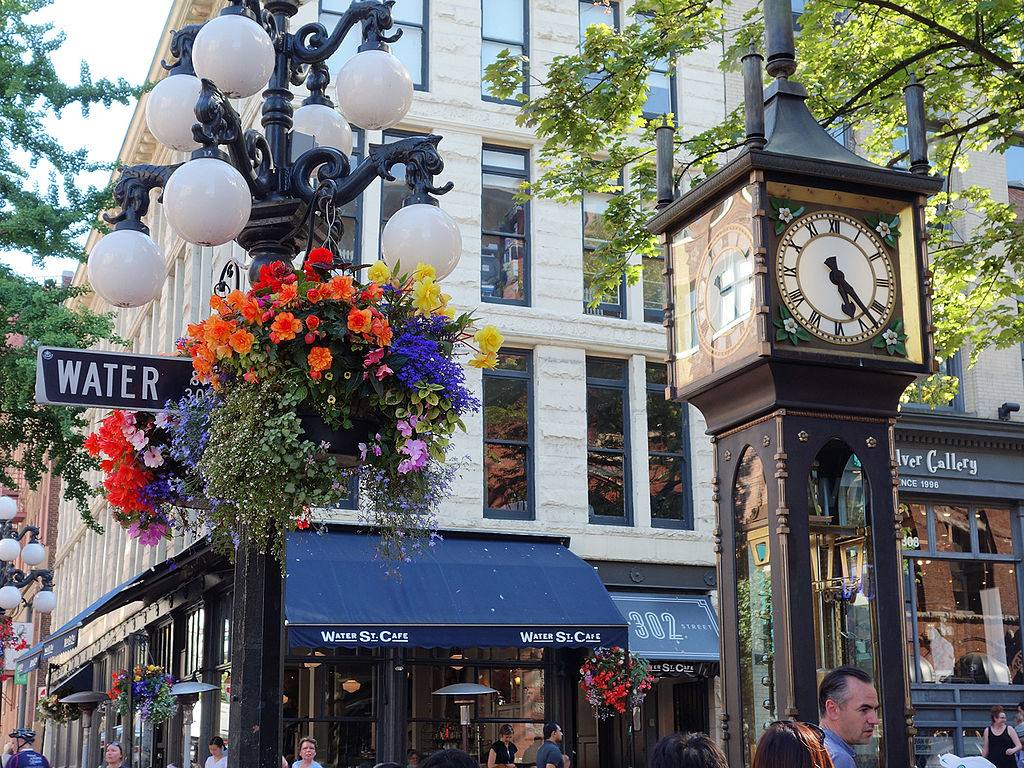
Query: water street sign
[{"x": 86, "y": 379}]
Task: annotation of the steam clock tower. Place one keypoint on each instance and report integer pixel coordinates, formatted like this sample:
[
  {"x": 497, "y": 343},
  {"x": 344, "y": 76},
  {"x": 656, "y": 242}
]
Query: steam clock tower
[{"x": 798, "y": 311}]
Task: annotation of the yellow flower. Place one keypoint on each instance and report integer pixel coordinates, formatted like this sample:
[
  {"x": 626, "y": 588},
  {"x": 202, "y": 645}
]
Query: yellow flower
[
  {"x": 489, "y": 339},
  {"x": 442, "y": 307},
  {"x": 331, "y": 399},
  {"x": 329, "y": 376},
  {"x": 424, "y": 270},
  {"x": 348, "y": 374},
  {"x": 426, "y": 295},
  {"x": 480, "y": 360},
  {"x": 379, "y": 273}
]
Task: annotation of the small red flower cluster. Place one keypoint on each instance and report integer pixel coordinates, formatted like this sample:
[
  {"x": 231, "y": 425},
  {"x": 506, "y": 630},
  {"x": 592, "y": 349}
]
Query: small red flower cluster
[{"x": 614, "y": 680}]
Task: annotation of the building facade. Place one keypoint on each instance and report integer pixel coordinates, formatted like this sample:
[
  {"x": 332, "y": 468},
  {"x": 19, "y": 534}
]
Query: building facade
[{"x": 575, "y": 452}]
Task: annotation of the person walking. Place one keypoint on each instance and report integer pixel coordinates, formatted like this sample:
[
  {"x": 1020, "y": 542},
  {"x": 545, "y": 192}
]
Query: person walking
[
  {"x": 502, "y": 753},
  {"x": 24, "y": 756},
  {"x": 691, "y": 750},
  {"x": 550, "y": 754},
  {"x": 1000, "y": 744},
  {"x": 307, "y": 751},
  {"x": 848, "y": 706},
  {"x": 217, "y": 758},
  {"x": 113, "y": 756},
  {"x": 789, "y": 744}
]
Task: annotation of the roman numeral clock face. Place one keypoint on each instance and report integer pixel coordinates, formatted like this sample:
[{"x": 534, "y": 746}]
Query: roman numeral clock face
[{"x": 835, "y": 276}]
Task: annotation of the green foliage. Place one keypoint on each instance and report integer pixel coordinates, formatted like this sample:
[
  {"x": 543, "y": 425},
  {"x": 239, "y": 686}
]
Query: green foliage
[
  {"x": 35, "y": 315},
  {"x": 855, "y": 58},
  {"x": 47, "y": 221}
]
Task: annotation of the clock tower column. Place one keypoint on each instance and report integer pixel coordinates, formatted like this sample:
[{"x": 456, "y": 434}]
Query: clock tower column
[{"x": 798, "y": 311}]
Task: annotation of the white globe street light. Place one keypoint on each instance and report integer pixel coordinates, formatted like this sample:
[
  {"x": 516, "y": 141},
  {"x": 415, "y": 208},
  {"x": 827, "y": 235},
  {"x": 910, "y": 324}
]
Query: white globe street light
[
  {"x": 44, "y": 601},
  {"x": 127, "y": 268},
  {"x": 325, "y": 125},
  {"x": 10, "y": 597},
  {"x": 8, "y": 508},
  {"x": 33, "y": 553},
  {"x": 9, "y": 550},
  {"x": 422, "y": 232},
  {"x": 207, "y": 201},
  {"x": 236, "y": 53},
  {"x": 170, "y": 111},
  {"x": 374, "y": 90}
]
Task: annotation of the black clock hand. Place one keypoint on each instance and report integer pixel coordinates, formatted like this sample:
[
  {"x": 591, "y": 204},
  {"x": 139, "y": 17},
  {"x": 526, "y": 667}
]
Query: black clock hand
[{"x": 838, "y": 279}]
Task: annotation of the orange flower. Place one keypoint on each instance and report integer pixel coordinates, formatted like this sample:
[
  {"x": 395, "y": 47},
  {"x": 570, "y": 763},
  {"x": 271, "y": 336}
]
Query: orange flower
[
  {"x": 381, "y": 330},
  {"x": 314, "y": 295},
  {"x": 217, "y": 304},
  {"x": 241, "y": 341},
  {"x": 250, "y": 376},
  {"x": 289, "y": 292},
  {"x": 373, "y": 292},
  {"x": 217, "y": 330},
  {"x": 340, "y": 287},
  {"x": 249, "y": 309},
  {"x": 359, "y": 320},
  {"x": 284, "y": 328},
  {"x": 312, "y": 322},
  {"x": 236, "y": 299},
  {"x": 319, "y": 358}
]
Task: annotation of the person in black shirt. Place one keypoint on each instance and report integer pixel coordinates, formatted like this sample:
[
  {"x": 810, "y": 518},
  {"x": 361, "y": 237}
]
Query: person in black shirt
[{"x": 503, "y": 751}]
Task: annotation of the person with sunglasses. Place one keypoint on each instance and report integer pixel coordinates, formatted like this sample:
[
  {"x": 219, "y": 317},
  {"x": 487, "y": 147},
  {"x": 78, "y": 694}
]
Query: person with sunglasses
[
  {"x": 848, "y": 705},
  {"x": 113, "y": 756},
  {"x": 789, "y": 744}
]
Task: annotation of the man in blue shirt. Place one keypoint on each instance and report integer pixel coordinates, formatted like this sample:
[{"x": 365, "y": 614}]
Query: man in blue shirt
[
  {"x": 848, "y": 705},
  {"x": 24, "y": 756},
  {"x": 550, "y": 754}
]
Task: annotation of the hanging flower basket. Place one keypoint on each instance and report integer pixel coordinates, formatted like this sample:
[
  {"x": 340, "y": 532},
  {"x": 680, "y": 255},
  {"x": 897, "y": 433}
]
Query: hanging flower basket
[
  {"x": 49, "y": 708},
  {"x": 313, "y": 372},
  {"x": 8, "y": 637},
  {"x": 150, "y": 690},
  {"x": 614, "y": 680}
]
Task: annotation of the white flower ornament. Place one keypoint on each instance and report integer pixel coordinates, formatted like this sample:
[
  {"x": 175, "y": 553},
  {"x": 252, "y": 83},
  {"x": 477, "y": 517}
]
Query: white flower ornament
[
  {"x": 891, "y": 337},
  {"x": 789, "y": 325},
  {"x": 785, "y": 215},
  {"x": 883, "y": 228}
]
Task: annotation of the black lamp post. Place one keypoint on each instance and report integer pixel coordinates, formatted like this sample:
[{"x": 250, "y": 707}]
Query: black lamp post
[
  {"x": 14, "y": 580},
  {"x": 258, "y": 189}
]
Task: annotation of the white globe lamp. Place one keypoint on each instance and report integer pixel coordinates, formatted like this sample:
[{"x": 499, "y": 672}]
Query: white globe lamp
[
  {"x": 374, "y": 90},
  {"x": 33, "y": 553},
  {"x": 325, "y": 125},
  {"x": 8, "y": 508},
  {"x": 207, "y": 201},
  {"x": 44, "y": 601},
  {"x": 170, "y": 111},
  {"x": 9, "y": 550},
  {"x": 422, "y": 232},
  {"x": 10, "y": 598},
  {"x": 235, "y": 53},
  {"x": 126, "y": 268}
]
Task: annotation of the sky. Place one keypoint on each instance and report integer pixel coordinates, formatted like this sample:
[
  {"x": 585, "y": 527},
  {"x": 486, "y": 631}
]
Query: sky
[{"x": 117, "y": 39}]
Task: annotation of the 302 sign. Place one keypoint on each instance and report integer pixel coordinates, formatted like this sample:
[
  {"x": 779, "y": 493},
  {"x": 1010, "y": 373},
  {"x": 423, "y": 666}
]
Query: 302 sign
[{"x": 660, "y": 626}]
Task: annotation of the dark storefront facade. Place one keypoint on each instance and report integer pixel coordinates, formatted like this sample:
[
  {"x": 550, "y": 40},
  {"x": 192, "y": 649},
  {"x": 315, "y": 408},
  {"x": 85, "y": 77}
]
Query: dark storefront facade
[
  {"x": 962, "y": 498},
  {"x": 365, "y": 653}
]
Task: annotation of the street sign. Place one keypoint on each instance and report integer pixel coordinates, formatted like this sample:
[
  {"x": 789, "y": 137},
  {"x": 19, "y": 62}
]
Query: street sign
[{"x": 86, "y": 379}]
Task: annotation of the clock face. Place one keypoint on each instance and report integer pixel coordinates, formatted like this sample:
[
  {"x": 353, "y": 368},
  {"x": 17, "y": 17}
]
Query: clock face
[
  {"x": 725, "y": 291},
  {"x": 836, "y": 277}
]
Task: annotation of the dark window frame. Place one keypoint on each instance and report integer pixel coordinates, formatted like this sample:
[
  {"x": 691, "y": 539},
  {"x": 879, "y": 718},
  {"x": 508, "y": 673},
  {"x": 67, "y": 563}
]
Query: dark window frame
[
  {"x": 686, "y": 520},
  {"x": 621, "y": 386},
  {"x": 617, "y": 309},
  {"x": 526, "y": 375},
  {"x": 525, "y": 237},
  {"x": 525, "y": 44},
  {"x": 652, "y": 315}
]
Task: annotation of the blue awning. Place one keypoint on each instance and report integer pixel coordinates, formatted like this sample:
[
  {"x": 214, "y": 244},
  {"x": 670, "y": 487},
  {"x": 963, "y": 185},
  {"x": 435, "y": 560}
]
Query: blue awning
[
  {"x": 466, "y": 591},
  {"x": 671, "y": 627}
]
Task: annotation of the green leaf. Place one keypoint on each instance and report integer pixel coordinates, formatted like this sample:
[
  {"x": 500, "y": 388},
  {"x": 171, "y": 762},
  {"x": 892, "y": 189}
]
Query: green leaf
[
  {"x": 803, "y": 334},
  {"x": 779, "y": 226},
  {"x": 781, "y": 334}
]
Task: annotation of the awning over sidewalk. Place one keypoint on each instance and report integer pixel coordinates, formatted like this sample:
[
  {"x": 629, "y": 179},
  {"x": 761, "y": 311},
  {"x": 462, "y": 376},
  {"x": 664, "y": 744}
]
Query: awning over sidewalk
[
  {"x": 466, "y": 591},
  {"x": 143, "y": 586},
  {"x": 670, "y": 627}
]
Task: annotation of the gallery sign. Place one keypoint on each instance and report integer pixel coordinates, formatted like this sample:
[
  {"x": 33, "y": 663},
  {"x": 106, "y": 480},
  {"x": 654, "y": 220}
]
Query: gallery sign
[{"x": 955, "y": 470}]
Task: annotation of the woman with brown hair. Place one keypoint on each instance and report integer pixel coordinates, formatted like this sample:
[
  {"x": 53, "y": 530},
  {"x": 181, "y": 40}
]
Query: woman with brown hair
[
  {"x": 789, "y": 744},
  {"x": 1000, "y": 743}
]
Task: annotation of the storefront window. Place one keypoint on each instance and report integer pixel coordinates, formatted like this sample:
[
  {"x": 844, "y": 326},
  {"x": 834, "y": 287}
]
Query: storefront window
[
  {"x": 516, "y": 675},
  {"x": 952, "y": 529},
  {"x": 929, "y": 743},
  {"x": 968, "y": 627},
  {"x": 915, "y": 526},
  {"x": 994, "y": 535}
]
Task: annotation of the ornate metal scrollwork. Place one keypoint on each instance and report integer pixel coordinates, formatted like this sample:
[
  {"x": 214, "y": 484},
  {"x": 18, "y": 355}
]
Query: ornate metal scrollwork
[
  {"x": 131, "y": 193},
  {"x": 311, "y": 43},
  {"x": 231, "y": 271},
  {"x": 182, "y": 41},
  {"x": 421, "y": 159}
]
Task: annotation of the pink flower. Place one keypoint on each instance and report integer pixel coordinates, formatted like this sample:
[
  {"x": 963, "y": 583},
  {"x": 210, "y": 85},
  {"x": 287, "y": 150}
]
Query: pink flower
[
  {"x": 404, "y": 428},
  {"x": 416, "y": 450},
  {"x": 149, "y": 537},
  {"x": 162, "y": 419},
  {"x": 153, "y": 457},
  {"x": 139, "y": 440},
  {"x": 382, "y": 372},
  {"x": 372, "y": 358}
]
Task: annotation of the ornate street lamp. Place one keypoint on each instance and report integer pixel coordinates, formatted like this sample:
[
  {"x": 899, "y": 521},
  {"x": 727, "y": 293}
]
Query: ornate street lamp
[
  {"x": 14, "y": 580},
  {"x": 245, "y": 185},
  {"x": 258, "y": 189}
]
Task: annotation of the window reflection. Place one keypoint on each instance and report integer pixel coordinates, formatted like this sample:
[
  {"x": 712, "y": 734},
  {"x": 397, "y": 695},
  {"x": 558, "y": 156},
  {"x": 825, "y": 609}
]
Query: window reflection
[{"x": 952, "y": 529}]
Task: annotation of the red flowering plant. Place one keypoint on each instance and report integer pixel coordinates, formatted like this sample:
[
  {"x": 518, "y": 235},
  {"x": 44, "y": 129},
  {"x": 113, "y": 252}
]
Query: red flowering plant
[
  {"x": 376, "y": 357},
  {"x": 614, "y": 680},
  {"x": 8, "y": 637}
]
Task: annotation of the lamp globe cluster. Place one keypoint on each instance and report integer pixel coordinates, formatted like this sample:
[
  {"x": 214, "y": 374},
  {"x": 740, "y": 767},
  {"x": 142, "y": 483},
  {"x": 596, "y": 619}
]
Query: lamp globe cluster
[
  {"x": 208, "y": 201},
  {"x": 32, "y": 554}
]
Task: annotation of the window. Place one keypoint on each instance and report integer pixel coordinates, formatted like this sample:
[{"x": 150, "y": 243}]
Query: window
[
  {"x": 595, "y": 234},
  {"x": 667, "y": 446},
  {"x": 661, "y": 79},
  {"x": 504, "y": 24},
  {"x": 504, "y": 257},
  {"x": 654, "y": 289},
  {"x": 410, "y": 16},
  {"x": 508, "y": 460},
  {"x": 1014, "y": 157},
  {"x": 961, "y": 591},
  {"x": 916, "y": 393},
  {"x": 608, "y": 479}
]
